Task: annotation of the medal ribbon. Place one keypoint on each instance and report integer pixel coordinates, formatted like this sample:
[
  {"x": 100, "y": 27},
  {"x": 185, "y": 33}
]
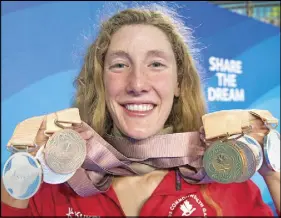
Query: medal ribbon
[
  {"x": 26, "y": 133},
  {"x": 119, "y": 156}
]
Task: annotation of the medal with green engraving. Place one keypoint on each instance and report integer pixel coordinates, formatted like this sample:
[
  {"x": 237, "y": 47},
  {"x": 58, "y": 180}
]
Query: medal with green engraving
[
  {"x": 249, "y": 161},
  {"x": 223, "y": 162}
]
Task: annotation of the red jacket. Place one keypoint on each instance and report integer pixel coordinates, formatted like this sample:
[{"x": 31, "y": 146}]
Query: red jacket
[{"x": 195, "y": 200}]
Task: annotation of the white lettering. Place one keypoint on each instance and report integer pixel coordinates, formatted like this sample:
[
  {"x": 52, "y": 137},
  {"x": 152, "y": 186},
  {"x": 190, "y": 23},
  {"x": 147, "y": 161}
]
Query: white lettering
[
  {"x": 187, "y": 207},
  {"x": 236, "y": 66},
  {"x": 228, "y": 80},
  {"x": 205, "y": 211},
  {"x": 212, "y": 62},
  {"x": 173, "y": 206},
  {"x": 220, "y": 78},
  {"x": 226, "y": 94},
  {"x": 70, "y": 212},
  {"x": 77, "y": 214},
  {"x": 225, "y": 65}
]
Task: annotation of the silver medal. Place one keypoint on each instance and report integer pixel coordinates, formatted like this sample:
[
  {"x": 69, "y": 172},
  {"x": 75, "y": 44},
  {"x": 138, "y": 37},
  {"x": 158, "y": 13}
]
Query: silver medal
[
  {"x": 22, "y": 175},
  {"x": 65, "y": 151},
  {"x": 272, "y": 150},
  {"x": 50, "y": 176}
]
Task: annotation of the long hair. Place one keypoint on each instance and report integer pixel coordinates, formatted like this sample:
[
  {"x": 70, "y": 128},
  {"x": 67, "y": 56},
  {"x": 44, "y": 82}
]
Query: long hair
[{"x": 187, "y": 109}]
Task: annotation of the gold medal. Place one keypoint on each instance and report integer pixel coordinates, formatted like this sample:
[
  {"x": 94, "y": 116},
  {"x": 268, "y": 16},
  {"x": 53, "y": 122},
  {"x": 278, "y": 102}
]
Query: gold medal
[{"x": 223, "y": 162}]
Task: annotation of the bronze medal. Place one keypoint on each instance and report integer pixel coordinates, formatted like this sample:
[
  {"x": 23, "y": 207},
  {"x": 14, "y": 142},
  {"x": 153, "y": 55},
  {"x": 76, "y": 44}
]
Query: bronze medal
[
  {"x": 249, "y": 161},
  {"x": 256, "y": 149}
]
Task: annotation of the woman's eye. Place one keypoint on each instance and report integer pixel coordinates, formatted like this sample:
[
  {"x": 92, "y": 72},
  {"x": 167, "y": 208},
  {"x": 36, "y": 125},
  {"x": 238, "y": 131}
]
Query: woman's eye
[
  {"x": 157, "y": 64},
  {"x": 118, "y": 66}
]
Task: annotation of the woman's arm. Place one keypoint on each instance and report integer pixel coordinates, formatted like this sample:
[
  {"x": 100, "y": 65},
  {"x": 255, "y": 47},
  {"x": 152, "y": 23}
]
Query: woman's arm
[
  {"x": 9, "y": 200},
  {"x": 273, "y": 183}
]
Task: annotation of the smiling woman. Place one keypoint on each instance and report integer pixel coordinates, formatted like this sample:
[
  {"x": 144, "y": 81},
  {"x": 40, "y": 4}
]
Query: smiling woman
[
  {"x": 138, "y": 80},
  {"x": 139, "y": 88},
  {"x": 145, "y": 55}
]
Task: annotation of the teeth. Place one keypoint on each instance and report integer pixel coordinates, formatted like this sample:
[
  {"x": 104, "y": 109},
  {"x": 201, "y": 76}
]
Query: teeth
[{"x": 139, "y": 107}]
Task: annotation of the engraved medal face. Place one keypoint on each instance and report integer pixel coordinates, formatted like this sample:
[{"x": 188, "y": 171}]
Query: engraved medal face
[
  {"x": 65, "y": 151},
  {"x": 248, "y": 159},
  {"x": 272, "y": 150},
  {"x": 22, "y": 175},
  {"x": 50, "y": 176},
  {"x": 256, "y": 148},
  {"x": 223, "y": 162}
]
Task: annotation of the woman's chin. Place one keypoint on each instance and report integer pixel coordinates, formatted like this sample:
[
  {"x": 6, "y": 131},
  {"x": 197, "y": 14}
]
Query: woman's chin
[{"x": 139, "y": 135}]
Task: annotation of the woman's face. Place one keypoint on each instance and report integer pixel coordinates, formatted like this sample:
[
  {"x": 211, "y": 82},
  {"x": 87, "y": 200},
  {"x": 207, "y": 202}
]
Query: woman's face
[{"x": 140, "y": 78}]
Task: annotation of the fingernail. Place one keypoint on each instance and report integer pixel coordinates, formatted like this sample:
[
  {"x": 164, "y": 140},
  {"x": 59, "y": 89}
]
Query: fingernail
[{"x": 88, "y": 133}]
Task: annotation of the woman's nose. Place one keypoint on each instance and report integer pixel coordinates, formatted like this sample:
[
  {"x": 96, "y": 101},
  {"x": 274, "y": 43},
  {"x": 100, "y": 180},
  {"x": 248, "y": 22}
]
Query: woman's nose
[{"x": 138, "y": 83}]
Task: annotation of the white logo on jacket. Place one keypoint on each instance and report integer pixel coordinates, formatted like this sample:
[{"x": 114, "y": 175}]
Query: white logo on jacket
[
  {"x": 187, "y": 205},
  {"x": 187, "y": 208},
  {"x": 71, "y": 213}
]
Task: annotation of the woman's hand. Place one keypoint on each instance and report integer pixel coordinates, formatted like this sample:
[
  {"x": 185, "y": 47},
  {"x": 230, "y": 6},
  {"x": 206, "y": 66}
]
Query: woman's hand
[
  {"x": 85, "y": 131},
  {"x": 271, "y": 178},
  {"x": 6, "y": 198},
  {"x": 258, "y": 132}
]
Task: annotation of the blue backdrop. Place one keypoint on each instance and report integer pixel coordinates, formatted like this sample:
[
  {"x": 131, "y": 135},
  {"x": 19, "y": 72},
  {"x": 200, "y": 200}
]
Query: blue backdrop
[{"x": 43, "y": 45}]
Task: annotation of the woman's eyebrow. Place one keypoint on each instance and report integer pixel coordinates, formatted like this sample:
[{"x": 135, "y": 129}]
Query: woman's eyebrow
[
  {"x": 150, "y": 53},
  {"x": 158, "y": 53},
  {"x": 118, "y": 53}
]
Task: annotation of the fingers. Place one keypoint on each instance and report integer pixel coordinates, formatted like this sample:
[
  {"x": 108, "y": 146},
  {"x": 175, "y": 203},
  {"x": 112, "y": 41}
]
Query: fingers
[
  {"x": 41, "y": 138},
  {"x": 43, "y": 125},
  {"x": 81, "y": 127},
  {"x": 85, "y": 131},
  {"x": 86, "y": 135}
]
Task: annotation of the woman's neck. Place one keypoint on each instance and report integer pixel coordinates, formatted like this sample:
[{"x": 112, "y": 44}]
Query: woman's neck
[{"x": 116, "y": 132}]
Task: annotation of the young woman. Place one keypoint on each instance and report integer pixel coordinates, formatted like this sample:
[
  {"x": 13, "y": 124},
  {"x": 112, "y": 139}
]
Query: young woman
[{"x": 139, "y": 80}]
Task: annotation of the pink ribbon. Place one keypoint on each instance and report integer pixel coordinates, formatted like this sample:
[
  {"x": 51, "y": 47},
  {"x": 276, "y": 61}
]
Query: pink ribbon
[{"x": 118, "y": 156}]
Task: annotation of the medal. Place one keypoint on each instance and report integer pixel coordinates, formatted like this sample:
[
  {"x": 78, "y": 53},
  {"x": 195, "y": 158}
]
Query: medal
[
  {"x": 248, "y": 160},
  {"x": 22, "y": 175},
  {"x": 223, "y": 162},
  {"x": 65, "y": 151},
  {"x": 272, "y": 150},
  {"x": 49, "y": 176},
  {"x": 255, "y": 147}
]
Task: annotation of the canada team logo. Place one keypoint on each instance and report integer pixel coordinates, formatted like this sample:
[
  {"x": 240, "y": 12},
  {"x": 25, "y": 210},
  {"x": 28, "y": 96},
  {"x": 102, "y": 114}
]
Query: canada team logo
[{"x": 189, "y": 205}]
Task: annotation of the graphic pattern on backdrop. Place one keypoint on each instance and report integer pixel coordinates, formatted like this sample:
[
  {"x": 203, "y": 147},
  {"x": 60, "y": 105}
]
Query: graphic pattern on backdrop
[{"x": 43, "y": 43}]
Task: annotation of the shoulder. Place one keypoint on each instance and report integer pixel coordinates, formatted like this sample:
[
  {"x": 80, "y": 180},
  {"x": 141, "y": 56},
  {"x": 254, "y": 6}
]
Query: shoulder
[
  {"x": 247, "y": 190},
  {"x": 248, "y": 185},
  {"x": 239, "y": 198},
  {"x": 58, "y": 200}
]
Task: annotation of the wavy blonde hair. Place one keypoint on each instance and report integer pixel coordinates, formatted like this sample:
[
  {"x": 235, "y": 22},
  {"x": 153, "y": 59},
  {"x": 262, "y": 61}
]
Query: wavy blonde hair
[
  {"x": 90, "y": 98},
  {"x": 187, "y": 109}
]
